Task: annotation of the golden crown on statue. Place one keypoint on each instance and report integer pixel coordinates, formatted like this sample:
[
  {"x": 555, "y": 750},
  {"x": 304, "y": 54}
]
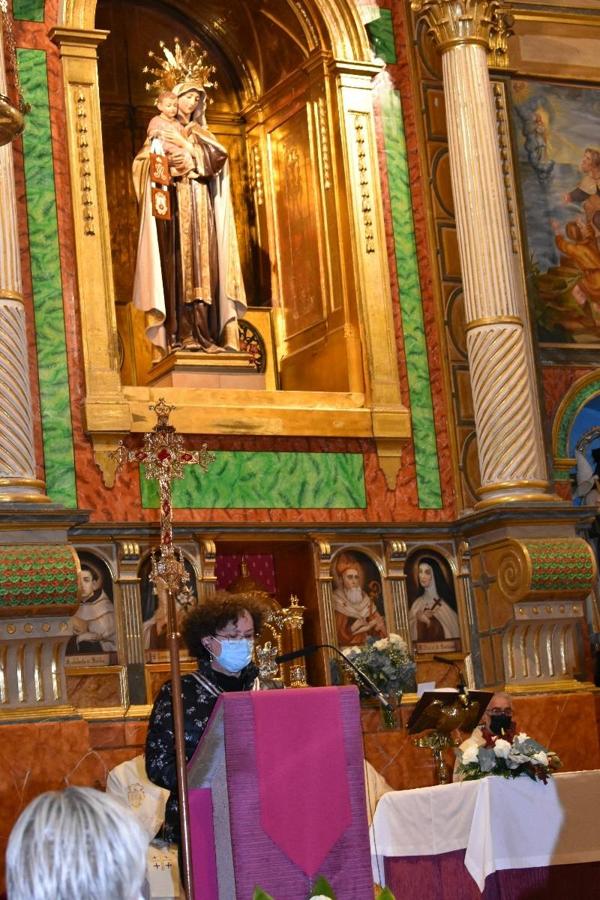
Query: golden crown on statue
[{"x": 183, "y": 66}]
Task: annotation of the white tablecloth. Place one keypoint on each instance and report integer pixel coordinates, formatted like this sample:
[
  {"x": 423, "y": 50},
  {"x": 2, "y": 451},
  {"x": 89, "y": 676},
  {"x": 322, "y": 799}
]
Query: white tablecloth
[{"x": 502, "y": 824}]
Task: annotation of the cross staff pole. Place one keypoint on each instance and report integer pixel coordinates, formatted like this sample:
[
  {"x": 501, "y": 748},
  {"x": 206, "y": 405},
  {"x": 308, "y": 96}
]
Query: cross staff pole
[{"x": 164, "y": 457}]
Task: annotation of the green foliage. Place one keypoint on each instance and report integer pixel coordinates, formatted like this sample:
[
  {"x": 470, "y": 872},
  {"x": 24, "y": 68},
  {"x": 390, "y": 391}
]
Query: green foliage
[
  {"x": 385, "y": 894},
  {"x": 387, "y": 662},
  {"x": 322, "y": 886}
]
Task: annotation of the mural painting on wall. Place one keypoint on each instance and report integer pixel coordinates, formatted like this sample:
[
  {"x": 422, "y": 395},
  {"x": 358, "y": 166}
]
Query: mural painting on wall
[
  {"x": 357, "y": 598},
  {"x": 154, "y": 610},
  {"x": 93, "y": 626},
  {"x": 558, "y": 160},
  {"x": 432, "y": 608}
]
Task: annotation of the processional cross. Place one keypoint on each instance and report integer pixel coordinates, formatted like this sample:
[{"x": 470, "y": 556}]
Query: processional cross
[{"x": 164, "y": 456}]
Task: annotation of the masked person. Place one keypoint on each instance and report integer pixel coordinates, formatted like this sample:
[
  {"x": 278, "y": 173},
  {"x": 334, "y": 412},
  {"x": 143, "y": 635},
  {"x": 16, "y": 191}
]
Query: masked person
[
  {"x": 497, "y": 720},
  {"x": 220, "y": 634}
]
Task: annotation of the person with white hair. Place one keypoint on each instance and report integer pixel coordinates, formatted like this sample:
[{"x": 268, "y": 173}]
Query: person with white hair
[{"x": 76, "y": 844}]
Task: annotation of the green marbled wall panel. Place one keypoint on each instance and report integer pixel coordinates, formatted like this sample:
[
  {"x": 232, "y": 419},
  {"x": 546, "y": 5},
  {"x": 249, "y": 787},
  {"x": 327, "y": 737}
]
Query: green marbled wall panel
[
  {"x": 381, "y": 36},
  {"x": 46, "y": 279},
  {"x": 415, "y": 344},
  {"x": 28, "y": 10},
  {"x": 242, "y": 480}
]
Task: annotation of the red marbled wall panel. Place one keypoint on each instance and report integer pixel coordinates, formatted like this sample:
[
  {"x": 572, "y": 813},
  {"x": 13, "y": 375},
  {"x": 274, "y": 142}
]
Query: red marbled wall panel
[{"x": 122, "y": 502}]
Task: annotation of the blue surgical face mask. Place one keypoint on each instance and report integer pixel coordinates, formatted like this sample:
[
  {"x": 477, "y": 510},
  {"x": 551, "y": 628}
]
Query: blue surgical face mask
[{"x": 235, "y": 654}]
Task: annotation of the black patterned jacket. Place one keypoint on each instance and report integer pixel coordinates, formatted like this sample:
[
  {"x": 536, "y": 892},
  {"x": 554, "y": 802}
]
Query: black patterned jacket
[{"x": 198, "y": 703}]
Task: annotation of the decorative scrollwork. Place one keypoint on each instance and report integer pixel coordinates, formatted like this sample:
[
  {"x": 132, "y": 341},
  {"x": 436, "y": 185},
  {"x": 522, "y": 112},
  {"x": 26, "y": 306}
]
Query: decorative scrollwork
[
  {"x": 500, "y": 31},
  {"x": 452, "y": 22},
  {"x": 85, "y": 171},
  {"x": 504, "y": 143},
  {"x": 257, "y": 176},
  {"x": 513, "y": 577},
  {"x": 251, "y": 342},
  {"x": 366, "y": 203},
  {"x": 557, "y": 567},
  {"x": 587, "y": 437},
  {"x": 324, "y": 140},
  {"x": 307, "y": 22}
]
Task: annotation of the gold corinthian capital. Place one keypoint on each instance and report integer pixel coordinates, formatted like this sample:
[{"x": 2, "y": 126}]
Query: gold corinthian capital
[{"x": 452, "y": 22}]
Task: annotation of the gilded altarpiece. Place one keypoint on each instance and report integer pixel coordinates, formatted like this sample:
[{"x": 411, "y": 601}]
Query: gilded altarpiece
[
  {"x": 308, "y": 211},
  {"x": 298, "y": 238}
]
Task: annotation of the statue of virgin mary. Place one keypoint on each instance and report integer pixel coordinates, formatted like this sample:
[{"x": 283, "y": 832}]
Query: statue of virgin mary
[{"x": 188, "y": 279}]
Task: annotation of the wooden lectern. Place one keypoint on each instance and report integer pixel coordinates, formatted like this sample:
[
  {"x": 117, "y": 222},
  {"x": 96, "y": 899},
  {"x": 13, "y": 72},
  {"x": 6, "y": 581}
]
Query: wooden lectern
[{"x": 277, "y": 796}]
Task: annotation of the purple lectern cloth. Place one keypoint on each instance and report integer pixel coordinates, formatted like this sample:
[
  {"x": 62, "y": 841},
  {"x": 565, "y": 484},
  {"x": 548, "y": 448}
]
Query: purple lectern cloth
[
  {"x": 204, "y": 864},
  {"x": 304, "y": 816},
  {"x": 257, "y": 860}
]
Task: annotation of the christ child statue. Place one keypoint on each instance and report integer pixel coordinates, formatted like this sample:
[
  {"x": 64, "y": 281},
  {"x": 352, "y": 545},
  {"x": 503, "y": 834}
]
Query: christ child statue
[{"x": 167, "y": 129}]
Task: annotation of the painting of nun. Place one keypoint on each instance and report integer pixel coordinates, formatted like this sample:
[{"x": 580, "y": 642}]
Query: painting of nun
[{"x": 432, "y": 615}]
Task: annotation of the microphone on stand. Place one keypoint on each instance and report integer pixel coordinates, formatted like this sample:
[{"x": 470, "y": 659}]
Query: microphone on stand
[
  {"x": 462, "y": 687},
  {"x": 296, "y": 654},
  {"x": 363, "y": 678}
]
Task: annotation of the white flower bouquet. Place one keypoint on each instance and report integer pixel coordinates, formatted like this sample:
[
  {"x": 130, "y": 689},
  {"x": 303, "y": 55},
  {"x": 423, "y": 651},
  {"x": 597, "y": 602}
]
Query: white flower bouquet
[
  {"x": 508, "y": 758},
  {"x": 387, "y": 663}
]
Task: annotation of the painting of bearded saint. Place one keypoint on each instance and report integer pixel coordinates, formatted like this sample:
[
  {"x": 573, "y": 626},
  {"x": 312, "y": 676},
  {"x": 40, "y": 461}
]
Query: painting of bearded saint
[
  {"x": 432, "y": 616},
  {"x": 357, "y": 599}
]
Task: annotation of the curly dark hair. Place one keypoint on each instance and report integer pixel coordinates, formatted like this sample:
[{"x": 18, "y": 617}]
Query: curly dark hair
[{"x": 219, "y": 611}]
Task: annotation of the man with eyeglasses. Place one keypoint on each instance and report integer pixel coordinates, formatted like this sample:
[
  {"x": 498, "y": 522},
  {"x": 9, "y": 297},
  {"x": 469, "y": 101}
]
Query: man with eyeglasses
[
  {"x": 497, "y": 720},
  {"x": 220, "y": 634}
]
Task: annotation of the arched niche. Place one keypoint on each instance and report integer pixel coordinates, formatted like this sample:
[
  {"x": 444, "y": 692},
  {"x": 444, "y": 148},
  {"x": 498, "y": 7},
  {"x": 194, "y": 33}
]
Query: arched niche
[
  {"x": 309, "y": 114},
  {"x": 583, "y": 393}
]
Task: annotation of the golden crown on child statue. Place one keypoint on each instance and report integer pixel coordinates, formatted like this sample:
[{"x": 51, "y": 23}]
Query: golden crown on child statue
[{"x": 182, "y": 69}]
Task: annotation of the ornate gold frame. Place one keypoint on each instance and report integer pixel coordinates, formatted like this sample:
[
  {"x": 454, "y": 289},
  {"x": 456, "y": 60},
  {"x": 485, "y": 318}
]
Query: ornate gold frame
[{"x": 111, "y": 409}]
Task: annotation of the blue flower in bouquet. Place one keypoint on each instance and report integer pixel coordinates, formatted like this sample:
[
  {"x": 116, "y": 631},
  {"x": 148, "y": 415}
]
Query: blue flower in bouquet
[
  {"x": 508, "y": 758},
  {"x": 387, "y": 662}
]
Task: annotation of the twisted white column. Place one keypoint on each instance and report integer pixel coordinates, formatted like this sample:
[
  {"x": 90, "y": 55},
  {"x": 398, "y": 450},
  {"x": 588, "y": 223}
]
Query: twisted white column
[
  {"x": 17, "y": 452},
  {"x": 507, "y": 415},
  {"x": 507, "y": 418}
]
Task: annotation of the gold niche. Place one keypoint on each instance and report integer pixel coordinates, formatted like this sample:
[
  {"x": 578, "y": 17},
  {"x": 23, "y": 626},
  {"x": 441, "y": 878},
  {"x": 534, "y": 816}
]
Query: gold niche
[{"x": 294, "y": 107}]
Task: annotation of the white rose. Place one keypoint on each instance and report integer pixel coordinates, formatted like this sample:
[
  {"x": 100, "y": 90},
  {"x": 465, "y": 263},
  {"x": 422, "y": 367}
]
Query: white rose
[
  {"x": 522, "y": 736},
  {"x": 540, "y": 757},
  {"x": 381, "y": 644},
  {"x": 470, "y": 755},
  {"x": 502, "y": 748},
  {"x": 350, "y": 651}
]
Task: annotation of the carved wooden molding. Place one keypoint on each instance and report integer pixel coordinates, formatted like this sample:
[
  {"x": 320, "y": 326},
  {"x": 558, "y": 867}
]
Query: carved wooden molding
[{"x": 365, "y": 187}]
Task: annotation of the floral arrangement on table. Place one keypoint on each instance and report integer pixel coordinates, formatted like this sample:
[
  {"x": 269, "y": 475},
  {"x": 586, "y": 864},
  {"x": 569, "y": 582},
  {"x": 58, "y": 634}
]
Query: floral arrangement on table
[
  {"x": 387, "y": 662},
  {"x": 509, "y": 758}
]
